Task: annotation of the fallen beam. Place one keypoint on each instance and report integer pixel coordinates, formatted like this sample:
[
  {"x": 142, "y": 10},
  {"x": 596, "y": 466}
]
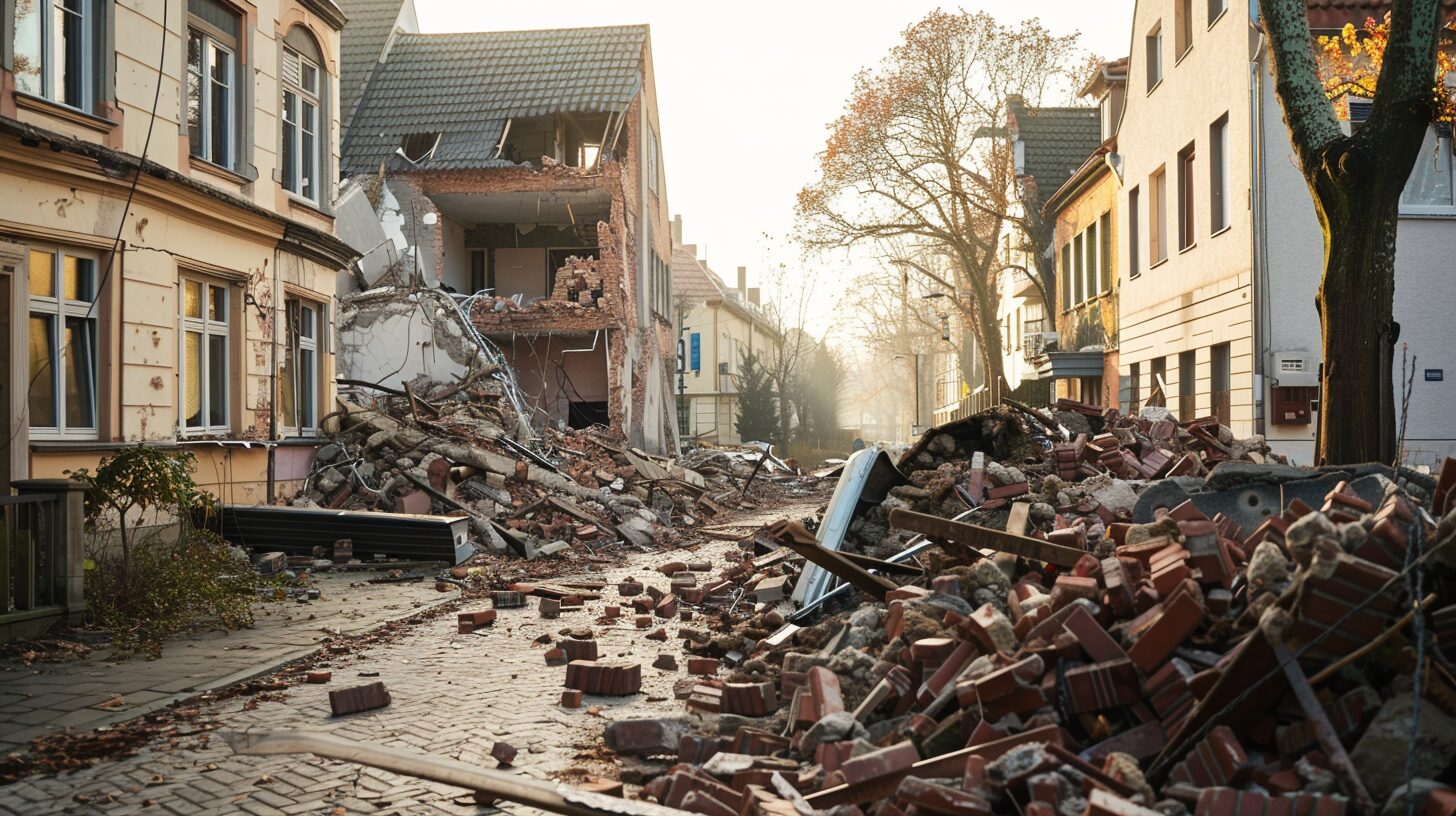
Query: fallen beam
[
  {"x": 979, "y": 538},
  {"x": 549, "y": 796},
  {"x": 793, "y": 535}
]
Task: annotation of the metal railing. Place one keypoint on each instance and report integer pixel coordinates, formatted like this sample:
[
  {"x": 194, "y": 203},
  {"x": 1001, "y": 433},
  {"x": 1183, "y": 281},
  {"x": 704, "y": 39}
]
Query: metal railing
[
  {"x": 32, "y": 542},
  {"x": 42, "y": 559}
]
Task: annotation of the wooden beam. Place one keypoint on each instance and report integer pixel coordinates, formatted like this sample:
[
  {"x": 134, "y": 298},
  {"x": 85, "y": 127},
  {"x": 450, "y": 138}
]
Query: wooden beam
[{"x": 971, "y": 535}]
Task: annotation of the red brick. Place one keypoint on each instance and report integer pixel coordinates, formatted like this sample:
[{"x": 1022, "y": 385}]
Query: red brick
[
  {"x": 929, "y": 797},
  {"x": 504, "y": 753},
  {"x": 879, "y": 763},
  {"x": 358, "y": 698},
  {"x": 703, "y": 665},
  {"x": 1103, "y": 803},
  {"x": 1176, "y": 621},
  {"x": 571, "y": 698},
  {"x": 824, "y": 685}
]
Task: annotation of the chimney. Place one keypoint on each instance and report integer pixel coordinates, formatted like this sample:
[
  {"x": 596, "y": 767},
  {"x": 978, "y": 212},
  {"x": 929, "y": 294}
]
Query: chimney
[
  {"x": 742, "y": 282},
  {"x": 753, "y": 296},
  {"x": 677, "y": 230}
]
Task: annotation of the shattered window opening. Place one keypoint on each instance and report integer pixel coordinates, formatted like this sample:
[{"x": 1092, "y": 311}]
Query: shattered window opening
[
  {"x": 418, "y": 147},
  {"x": 299, "y": 383}
]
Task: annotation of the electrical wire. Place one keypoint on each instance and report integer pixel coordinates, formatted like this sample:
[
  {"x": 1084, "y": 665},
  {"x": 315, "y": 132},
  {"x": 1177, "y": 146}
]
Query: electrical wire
[{"x": 113, "y": 257}]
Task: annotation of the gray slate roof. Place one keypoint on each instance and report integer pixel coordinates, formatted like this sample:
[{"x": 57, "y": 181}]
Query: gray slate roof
[
  {"x": 465, "y": 86},
  {"x": 361, "y": 42},
  {"x": 1057, "y": 141}
]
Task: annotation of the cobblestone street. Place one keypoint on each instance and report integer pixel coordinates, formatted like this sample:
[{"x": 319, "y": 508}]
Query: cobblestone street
[{"x": 453, "y": 695}]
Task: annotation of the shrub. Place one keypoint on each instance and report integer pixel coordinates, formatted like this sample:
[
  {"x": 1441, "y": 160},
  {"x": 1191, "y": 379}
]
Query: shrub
[{"x": 152, "y": 571}]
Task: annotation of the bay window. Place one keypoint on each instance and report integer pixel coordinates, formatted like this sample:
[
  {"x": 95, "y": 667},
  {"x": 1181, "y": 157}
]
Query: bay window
[
  {"x": 206, "y": 336},
  {"x": 212, "y": 81},
  {"x": 61, "y": 341},
  {"x": 54, "y": 50},
  {"x": 301, "y": 173},
  {"x": 299, "y": 375}
]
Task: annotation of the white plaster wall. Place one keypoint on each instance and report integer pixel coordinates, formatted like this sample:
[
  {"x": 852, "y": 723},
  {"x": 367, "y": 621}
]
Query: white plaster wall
[
  {"x": 1201, "y": 296},
  {"x": 1425, "y": 299}
]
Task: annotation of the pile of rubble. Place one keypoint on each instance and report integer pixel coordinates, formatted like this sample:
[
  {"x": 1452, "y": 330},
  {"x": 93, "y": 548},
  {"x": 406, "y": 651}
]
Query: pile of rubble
[
  {"x": 446, "y": 450},
  {"x": 1132, "y": 617}
]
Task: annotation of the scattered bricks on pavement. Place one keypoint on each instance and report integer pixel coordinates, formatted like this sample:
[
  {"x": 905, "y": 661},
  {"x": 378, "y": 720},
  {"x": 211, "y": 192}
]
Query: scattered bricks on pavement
[
  {"x": 644, "y": 737},
  {"x": 606, "y": 678},
  {"x": 504, "y": 753},
  {"x": 358, "y": 698},
  {"x": 666, "y": 662},
  {"x": 658, "y": 634},
  {"x": 505, "y": 599},
  {"x": 318, "y": 676},
  {"x": 667, "y": 606},
  {"x": 628, "y": 589},
  {"x": 750, "y": 699},
  {"x": 703, "y": 665},
  {"x": 612, "y": 611},
  {"x": 470, "y": 621},
  {"x": 556, "y": 657},
  {"x": 642, "y": 621},
  {"x": 571, "y": 698},
  {"x": 579, "y": 649},
  {"x": 550, "y": 608},
  {"x": 643, "y": 605}
]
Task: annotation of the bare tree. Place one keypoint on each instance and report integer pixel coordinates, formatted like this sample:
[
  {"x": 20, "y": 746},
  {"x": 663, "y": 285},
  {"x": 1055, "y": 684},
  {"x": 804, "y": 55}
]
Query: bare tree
[
  {"x": 1356, "y": 183},
  {"x": 791, "y": 292},
  {"x": 906, "y": 159}
]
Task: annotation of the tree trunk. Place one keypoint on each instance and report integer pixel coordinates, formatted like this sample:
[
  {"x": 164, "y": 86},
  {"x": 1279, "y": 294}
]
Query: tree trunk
[{"x": 1355, "y": 302}]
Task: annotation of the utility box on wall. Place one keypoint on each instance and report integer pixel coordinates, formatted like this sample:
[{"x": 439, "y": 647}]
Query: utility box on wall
[{"x": 1292, "y": 406}]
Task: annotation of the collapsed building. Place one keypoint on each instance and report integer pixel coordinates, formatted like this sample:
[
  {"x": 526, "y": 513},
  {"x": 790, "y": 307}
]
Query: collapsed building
[{"x": 521, "y": 173}]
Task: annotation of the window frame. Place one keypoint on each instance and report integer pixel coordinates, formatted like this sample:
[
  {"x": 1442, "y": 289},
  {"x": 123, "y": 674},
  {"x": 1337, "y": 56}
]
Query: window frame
[
  {"x": 1153, "y": 45},
  {"x": 90, "y": 56},
  {"x": 1218, "y": 204},
  {"x": 1158, "y": 216},
  {"x": 1187, "y": 192},
  {"x": 207, "y": 328},
  {"x": 215, "y": 40},
  {"x": 1216, "y": 10},
  {"x": 1066, "y": 254},
  {"x": 304, "y": 96},
  {"x": 59, "y": 309},
  {"x": 1134, "y": 223},
  {"x": 293, "y": 424},
  {"x": 1182, "y": 29},
  {"x": 1445, "y": 147},
  {"x": 1104, "y": 233}
]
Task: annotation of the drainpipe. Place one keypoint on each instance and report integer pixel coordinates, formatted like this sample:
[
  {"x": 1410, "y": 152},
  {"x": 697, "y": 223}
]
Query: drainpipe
[
  {"x": 273, "y": 386},
  {"x": 1258, "y": 232}
]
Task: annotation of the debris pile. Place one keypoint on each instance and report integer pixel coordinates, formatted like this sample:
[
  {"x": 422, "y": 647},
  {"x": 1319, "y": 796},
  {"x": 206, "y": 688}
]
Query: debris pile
[
  {"x": 436, "y": 449},
  {"x": 1166, "y": 621}
]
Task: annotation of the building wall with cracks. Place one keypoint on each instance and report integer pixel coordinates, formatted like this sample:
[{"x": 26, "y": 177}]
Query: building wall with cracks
[
  {"x": 168, "y": 320},
  {"x": 591, "y": 339}
]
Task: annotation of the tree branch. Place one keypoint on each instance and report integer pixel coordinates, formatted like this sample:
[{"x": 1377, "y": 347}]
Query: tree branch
[{"x": 1309, "y": 115}]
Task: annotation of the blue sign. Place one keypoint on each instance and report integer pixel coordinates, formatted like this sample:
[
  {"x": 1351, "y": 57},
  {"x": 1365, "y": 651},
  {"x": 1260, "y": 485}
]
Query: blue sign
[
  {"x": 1435, "y": 374},
  {"x": 695, "y": 341}
]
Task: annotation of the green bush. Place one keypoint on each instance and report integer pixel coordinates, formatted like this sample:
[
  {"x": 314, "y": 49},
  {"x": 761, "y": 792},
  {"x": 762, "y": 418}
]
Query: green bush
[{"x": 151, "y": 571}]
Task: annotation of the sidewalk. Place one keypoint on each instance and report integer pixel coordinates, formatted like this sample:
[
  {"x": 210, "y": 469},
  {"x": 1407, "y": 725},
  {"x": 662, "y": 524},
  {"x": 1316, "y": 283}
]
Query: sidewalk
[{"x": 83, "y": 694}]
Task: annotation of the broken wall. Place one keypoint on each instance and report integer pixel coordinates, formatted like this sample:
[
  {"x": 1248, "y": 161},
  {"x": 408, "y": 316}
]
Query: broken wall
[{"x": 393, "y": 336}]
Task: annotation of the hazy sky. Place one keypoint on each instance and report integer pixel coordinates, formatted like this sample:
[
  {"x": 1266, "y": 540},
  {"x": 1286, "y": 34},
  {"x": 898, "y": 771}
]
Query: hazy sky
[{"x": 746, "y": 89}]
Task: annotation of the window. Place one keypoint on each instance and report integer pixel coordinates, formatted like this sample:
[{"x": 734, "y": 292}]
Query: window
[
  {"x": 1216, "y": 9},
  {"x": 302, "y": 173},
  {"x": 205, "y": 354},
  {"x": 1429, "y": 189},
  {"x": 1078, "y": 270},
  {"x": 1133, "y": 238},
  {"x": 1186, "y": 235},
  {"x": 1187, "y": 386},
  {"x": 1158, "y": 387},
  {"x": 55, "y": 49},
  {"x": 1067, "y": 302},
  {"x": 1221, "y": 376},
  {"x": 1218, "y": 174},
  {"x": 1104, "y": 270},
  {"x": 1158, "y": 217},
  {"x": 1183, "y": 27},
  {"x": 652, "y": 159},
  {"x": 1134, "y": 372},
  {"x": 62, "y": 344},
  {"x": 1089, "y": 238},
  {"x": 299, "y": 375},
  {"x": 1155, "y": 56},
  {"x": 212, "y": 81}
]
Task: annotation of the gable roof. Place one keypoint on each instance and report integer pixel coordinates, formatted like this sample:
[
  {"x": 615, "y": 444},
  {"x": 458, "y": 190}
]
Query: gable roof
[
  {"x": 691, "y": 278},
  {"x": 361, "y": 44},
  {"x": 465, "y": 86},
  {"x": 1057, "y": 141}
]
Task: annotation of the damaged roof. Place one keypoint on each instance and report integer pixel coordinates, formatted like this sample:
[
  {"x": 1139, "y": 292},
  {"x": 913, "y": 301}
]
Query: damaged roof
[
  {"x": 1057, "y": 141},
  {"x": 465, "y": 86},
  {"x": 361, "y": 45}
]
